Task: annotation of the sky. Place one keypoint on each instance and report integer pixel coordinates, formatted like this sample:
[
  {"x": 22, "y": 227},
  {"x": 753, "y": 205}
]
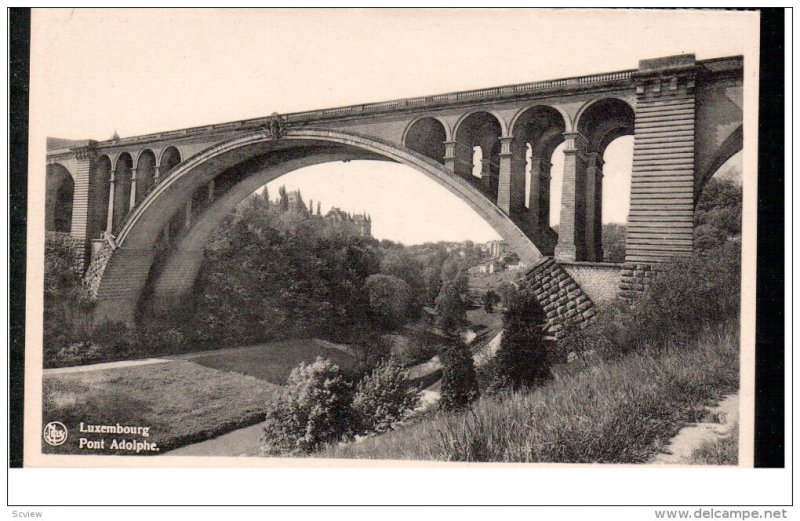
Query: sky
[{"x": 136, "y": 71}]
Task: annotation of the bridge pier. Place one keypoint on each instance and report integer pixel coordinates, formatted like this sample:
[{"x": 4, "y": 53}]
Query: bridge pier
[
  {"x": 571, "y": 229},
  {"x": 661, "y": 215}
]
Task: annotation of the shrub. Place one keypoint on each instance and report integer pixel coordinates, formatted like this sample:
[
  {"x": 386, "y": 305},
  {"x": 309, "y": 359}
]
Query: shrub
[
  {"x": 312, "y": 409},
  {"x": 459, "y": 381},
  {"x": 414, "y": 347},
  {"x": 523, "y": 359},
  {"x": 383, "y": 398},
  {"x": 682, "y": 298}
]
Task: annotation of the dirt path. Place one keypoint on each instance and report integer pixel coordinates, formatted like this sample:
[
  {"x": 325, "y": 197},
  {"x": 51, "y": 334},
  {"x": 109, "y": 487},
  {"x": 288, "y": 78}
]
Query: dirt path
[
  {"x": 717, "y": 424},
  {"x": 241, "y": 442}
]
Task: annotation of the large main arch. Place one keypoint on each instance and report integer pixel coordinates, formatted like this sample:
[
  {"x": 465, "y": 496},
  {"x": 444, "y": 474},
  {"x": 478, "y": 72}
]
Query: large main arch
[{"x": 254, "y": 159}]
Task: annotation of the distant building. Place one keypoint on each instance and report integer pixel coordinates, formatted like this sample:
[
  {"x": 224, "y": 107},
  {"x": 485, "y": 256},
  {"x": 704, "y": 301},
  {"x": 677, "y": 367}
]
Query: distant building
[
  {"x": 360, "y": 223},
  {"x": 496, "y": 249}
]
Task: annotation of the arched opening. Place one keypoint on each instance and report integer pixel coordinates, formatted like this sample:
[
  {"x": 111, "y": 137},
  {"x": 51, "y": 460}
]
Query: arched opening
[
  {"x": 481, "y": 130},
  {"x": 537, "y": 132},
  {"x": 145, "y": 173},
  {"x": 427, "y": 136},
  {"x": 601, "y": 123},
  {"x": 718, "y": 207},
  {"x": 59, "y": 188},
  {"x": 255, "y": 159},
  {"x": 617, "y": 168},
  {"x": 122, "y": 188},
  {"x": 170, "y": 158},
  {"x": 102, "y": 178}
]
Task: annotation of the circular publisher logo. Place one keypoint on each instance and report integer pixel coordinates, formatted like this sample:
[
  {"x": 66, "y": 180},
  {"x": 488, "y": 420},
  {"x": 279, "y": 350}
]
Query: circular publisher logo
[{"x": 55, "y": 433}]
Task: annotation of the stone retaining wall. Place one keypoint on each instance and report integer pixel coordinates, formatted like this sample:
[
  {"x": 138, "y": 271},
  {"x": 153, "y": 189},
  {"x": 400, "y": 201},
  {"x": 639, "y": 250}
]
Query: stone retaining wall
[
  {"x": 560, "y": 296},
  {"x": 634, "y": 278},
  {"x": 599, "y": 280},
  {"x": 95, "y": 272}
]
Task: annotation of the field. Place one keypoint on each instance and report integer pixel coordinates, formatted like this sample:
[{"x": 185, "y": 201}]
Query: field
[
  {"x": 181, "y": 401},
  {"x": 273, "y": 362},
  {"x": 616, "y": 412}
]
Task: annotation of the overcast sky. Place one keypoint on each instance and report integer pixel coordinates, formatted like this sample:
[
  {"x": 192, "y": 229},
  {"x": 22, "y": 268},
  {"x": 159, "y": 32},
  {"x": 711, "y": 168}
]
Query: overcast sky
[{"x": 142, "y": 70}]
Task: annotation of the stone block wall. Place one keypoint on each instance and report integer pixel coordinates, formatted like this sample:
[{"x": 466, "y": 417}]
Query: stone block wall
[
  {"x": 560, "y": 296},
  {"x": 599, "y": 280},
  {"x": 634, "y": 278},
  {"x": 94, "y": 274}
]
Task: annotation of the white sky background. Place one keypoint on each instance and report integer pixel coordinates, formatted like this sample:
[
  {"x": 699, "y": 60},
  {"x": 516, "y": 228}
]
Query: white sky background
[{"x": 142, "y": 70}]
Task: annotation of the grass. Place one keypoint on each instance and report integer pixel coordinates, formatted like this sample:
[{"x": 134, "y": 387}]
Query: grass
[
  {"x": 723, "y": 451},
  {"x": 182, "y": 403},
  {"x": 274, "y": 361},
  {"x": 615, "y": 412}
]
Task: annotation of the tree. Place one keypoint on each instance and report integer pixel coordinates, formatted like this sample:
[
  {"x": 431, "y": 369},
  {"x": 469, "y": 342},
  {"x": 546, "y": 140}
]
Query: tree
[
  {"x": 506, "y": 291},
  {"x": 312, "y": 409},
  {"x": 383, "y": 398},
  {"x": 459, "y": 385},
  {"x": 451, "y": 304},
  {"x": 389, "y": 299},
  {"x": 523, "y": 359},
  {"x": 718, "y": 216},
  {"x": 490, "y": 298},
  {"x": 614, "y": 242}
]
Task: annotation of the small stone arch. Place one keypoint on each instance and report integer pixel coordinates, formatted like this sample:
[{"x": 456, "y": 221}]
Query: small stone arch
[
  {"x": 573, "y": 123},
  {"x": 603, "y": 120},
  {"x": 145, "y": 172},
  {"x": 169, "y": 158},
  {"x": 482, "y": 129},
  {"x": 101, "y": 177},
  {"x": 60, "y": 190},
  {"x": 123, "y": 173},
  {"x": 427, "y": 135}
]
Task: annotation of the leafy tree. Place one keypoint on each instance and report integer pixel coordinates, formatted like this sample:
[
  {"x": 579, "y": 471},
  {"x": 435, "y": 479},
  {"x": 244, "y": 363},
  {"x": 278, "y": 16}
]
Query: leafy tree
[
  {"x": 451, "y": 304},
  {"x": 459, "y": 384},
  {"x": 523, "y": 359},
  {"x": 490, "y": 298},
  {"x": 614, "y": 242},
  {"x": 718, "y": 216},
  {"x": 506, "y": 291},
  {"x": 389, "y": 299},
  {"x": 312, "y": 409},
  {"x": 383, "y": 398}
]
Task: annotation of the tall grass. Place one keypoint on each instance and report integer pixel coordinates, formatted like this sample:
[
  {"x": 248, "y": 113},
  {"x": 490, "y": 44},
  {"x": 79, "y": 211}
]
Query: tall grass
[{"x": 614, "y": 412}]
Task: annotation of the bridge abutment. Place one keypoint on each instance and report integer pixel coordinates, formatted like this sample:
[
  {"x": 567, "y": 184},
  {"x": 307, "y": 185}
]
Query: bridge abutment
[{"x": 660, "y": 221}]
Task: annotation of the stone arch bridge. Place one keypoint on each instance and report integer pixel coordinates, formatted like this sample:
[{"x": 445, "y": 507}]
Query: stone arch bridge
[{"x": 120, "y": 201}]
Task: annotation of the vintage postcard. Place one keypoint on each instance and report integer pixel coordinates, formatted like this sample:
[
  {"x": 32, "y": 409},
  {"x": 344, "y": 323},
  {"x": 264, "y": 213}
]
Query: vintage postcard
[{"x": 370, "y": 237}]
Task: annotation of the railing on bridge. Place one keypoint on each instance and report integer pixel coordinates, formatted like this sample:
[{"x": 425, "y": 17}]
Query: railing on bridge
[{"x": 417, "y": 102}]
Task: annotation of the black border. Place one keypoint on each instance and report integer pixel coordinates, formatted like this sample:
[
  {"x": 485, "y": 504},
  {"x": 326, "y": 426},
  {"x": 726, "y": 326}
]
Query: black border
[
  {"x": 770, "y": 301},
  {"x": 19, "y": 25}
]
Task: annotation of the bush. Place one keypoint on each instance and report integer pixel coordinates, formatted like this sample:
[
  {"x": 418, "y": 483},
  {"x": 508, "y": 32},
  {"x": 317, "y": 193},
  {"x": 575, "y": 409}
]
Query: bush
[
  {"x": 459, "y": 381},
  {"x": 682, "y": 298},
  {"x": 312, "y": 409},
  {"x": 383, "y": 398},
  {"x": 523, "y": 359}
]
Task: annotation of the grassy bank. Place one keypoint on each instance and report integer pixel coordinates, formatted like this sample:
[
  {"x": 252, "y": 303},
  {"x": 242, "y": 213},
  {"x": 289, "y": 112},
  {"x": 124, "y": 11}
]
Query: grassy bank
[
  {"x": 181, "y": 402},
  {"x": 616, "y": 412}
]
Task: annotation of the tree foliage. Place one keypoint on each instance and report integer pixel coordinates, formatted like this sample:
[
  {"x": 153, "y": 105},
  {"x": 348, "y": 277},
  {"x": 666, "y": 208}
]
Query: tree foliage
[
  {"x": 383, "y": 398},
  {"x": 452, "y": 303},
  {"x": 523, "y": 359},
  {"x": 312, "y": 409},
  {"x": 459, "y": 385}
]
